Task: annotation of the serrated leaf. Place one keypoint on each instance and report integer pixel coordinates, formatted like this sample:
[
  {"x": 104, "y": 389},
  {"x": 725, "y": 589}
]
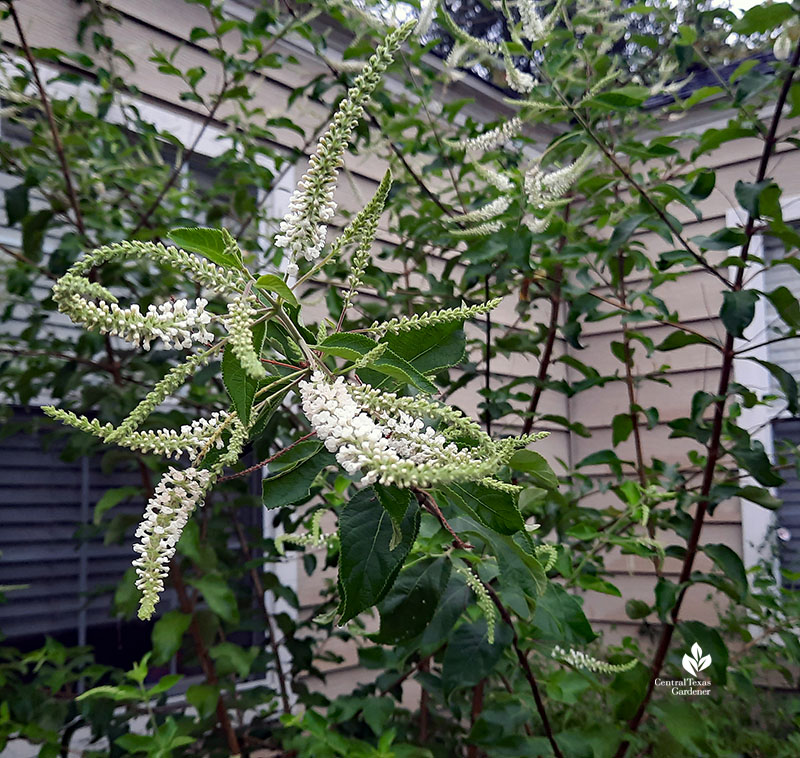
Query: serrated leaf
[
  {"x": 559, "y": 616},
  {"x": 293, "y": 482},
  {"x": 17, "y": 205},
  {"x": 749, "y": 193},
  {"x": 536, "y": 466},
  {"x": 679, "y": 339},
  {"x": 273, "y": 283},
  {"x": 469, "y": 657},
  {"x": 210, "y": 243},
  {"x": 431, "y": 348},
  {"x": 498, "y": 510},
  {"x": 354, "y": 346},
  {"x": 367, "y": 564},
  {"x": 412, "y": 602},
  {"x": 762, "y": 18}
]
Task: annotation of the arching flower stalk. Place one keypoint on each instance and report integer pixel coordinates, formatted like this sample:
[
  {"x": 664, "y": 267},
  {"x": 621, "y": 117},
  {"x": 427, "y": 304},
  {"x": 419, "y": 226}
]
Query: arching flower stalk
[
  {"x": 483, "y": 600},
  {"x": 167, "y": 512},
  {"x": 580, "y": 660},
  {"x": 490, "y": 139},
  {"x": 311, "y": 207}
]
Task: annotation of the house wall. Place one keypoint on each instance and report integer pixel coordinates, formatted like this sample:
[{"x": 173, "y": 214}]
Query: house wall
[{"x": 145, "y": 24}]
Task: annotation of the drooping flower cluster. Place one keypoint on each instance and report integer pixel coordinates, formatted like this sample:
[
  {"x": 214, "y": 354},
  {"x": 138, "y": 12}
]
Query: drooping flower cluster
[
  {"x": 545, "y": 190},
  {"x": 534, "y": 27},
  {"x": 175, "y": 497},
  {"x": 490, "y": 139},
  {"x": 190, "y": 439},
  {"x": 173, "y": 322},
  {"x": 580, "y": 660},
  {"x": 444, "y": 316},
  {"x": 239, "y": 323},
  {"x": 483, "y": 600},
  {"x": 387, "y": 447},
  {"x": 311, "y": 207}
]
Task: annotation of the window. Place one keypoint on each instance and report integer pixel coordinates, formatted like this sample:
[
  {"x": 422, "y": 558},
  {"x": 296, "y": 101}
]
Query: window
[{"x": 767, "y": 536}]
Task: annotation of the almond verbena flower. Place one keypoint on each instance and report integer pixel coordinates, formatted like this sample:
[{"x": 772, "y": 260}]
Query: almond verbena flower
[
  {"x": 386, "y": 446},
  {"x": 174, "y": 499}
]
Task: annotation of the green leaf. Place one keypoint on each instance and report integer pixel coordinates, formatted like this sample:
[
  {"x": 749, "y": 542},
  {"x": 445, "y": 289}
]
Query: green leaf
[
  {"x": 787, "y": 383},
  {"x": 111, "y": 498},
  {"x": 17, "y": 205},
  {"x": 763, "y": 18},
  {"x": 712, "y": 644},
  {"x": 355, "y": 346},
  {"x": 567, "y": 686},
  {"x": 536, "y": 466},
  {"x": 666, "y": 595},
  {"x": 214, "y": 244},
  {"x": 469, "y": 657},
  {"x": 165, "y": 684},
  {"x": 623, "y": 230},
  {"x": 168, "y": 633},
  {"x": 34, "y": 227},
  {"x": 275, "y": 284},
  {"x": 431, "y": 348},
  {"x": 621, "y": 426},
  {"x": 203, "y": 697},
  {"x": 631, "y": 96},
  {"x": 703, "y": 184},
  {"x": 560, "y": 617},
  {"x": 412, "y": 602},
  {"x": 121, "y": 692},
  {"x": 679, "y": 339},
  {"x": 637, "y": 609},
  {"x": 293, "y": 483},
  {"x": 757, "y": 463},
  {"x": 232, "y": 657},
  {"x": 367, "y": 564},
  {"x": 738, "y": 310},
  {"x": 240, "y": 385},
  {"x": 730, "y": 564},
  {"x": 218, "y": 595},
  {"x": 787, "y": 306},
  {"x": 595, "y": 583},
  {"x": 494, "y": 508},
  {"x": 761, "y": 496},
  {"x": 748, "y": 194}
]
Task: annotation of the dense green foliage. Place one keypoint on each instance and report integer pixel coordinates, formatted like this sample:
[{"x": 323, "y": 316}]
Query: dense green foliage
[{"x": 464, "y": 599}]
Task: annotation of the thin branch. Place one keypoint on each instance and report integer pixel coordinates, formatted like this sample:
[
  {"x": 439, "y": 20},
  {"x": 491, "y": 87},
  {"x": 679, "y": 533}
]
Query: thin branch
[
  {"x": 628, "y": 176},
  {"x": 51, "y": 121},
  {"x": 266, "y": 461},
  {"x": 715, "y": 441},
  {"x": 428, "y": 504},
  {"x": 524, "y": 664}
]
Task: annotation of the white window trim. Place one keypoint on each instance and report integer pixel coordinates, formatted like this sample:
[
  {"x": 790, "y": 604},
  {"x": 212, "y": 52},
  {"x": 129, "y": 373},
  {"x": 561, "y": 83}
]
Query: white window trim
[{"x": 758, "y": 523}]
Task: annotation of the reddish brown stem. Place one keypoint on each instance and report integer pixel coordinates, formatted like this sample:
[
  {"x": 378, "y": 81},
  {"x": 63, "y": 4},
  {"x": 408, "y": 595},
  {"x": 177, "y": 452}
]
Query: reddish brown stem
[
  {"x": 715, "y": 441},
  {"x": 258, "y": 588},
  {"x": 206, "y": 663},
  {"x": 475, "y": 713},
  {"x": 266, "y": 461},
  {"x": 51, "y": 122}
]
